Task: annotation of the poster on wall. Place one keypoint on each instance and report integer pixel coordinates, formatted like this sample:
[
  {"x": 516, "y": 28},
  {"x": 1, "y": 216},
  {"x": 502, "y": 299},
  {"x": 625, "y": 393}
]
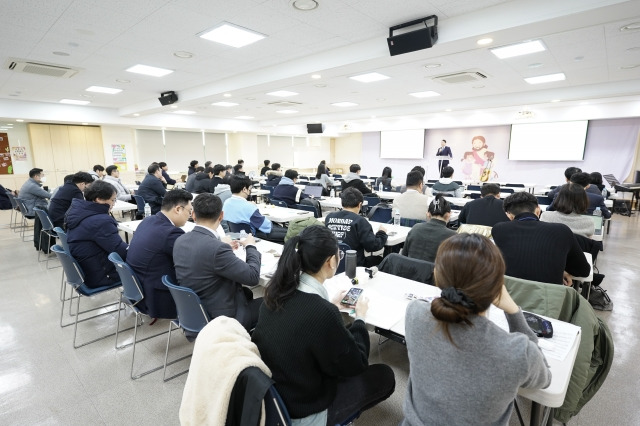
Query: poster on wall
[
  {"x": 6, "y": 166},
  {"x": 119, "y": 156},
  {"x": 19, "y": 153}
]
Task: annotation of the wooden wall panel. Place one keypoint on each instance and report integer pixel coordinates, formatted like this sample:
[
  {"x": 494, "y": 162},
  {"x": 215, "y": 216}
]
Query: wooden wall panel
[
  {"x": 40, "y": 137},
  {"x": 79, "y": 151},
  {"x": 61, "y": 150},
  {"x": 95, "y": 149}
]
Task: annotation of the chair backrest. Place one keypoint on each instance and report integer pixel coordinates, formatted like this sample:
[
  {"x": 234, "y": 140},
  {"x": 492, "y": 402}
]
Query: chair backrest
[
  {"x": 72, "y": 270},
  {"x": 337, "y": 176},
  {"x": 475, "y": 196},
  {"x": 45, "y": 220},
  {"x": 515, "y": 185},
  {"x": 237, "y": 227},
  {"x": 308, "y": 208},
  {"x": 474, "y": 188},
  {"x": 139, "y": 203},
  {"x": 380, "y": 213},
  {"x": 12, "y": 199},
  {"x": 410, "y": 222},
  {"x": 62, "y": 236},
  {"x": 406, "y": 267},
  {"x": 544, "y": 200},
  {"x": 191, "y": 314},
  {"x": 344, "y": 247},
  {"x": 507, "y": 190},
  {"x": 131, "y": 287},
  {"x": 371, "y": 201},
  {"x": 363, "y": 177},
  {"x": 279, "y": 203},
  {"x": 276, "y": 414},
  {"x": 23, "y": 208}
]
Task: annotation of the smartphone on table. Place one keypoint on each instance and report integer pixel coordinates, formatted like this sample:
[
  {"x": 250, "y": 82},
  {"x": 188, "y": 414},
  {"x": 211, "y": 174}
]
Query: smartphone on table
[{"x": 352, "y": 296}]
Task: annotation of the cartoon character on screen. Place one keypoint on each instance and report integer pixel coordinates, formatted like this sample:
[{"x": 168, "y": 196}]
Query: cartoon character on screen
[
  {"x": 486, "y": 168},
  {"x": 467, "y": 165}
]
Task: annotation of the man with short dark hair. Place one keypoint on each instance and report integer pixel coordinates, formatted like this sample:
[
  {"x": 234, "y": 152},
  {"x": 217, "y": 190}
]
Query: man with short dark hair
[
  {"x": 208, "y": 164},
  {"x": 425, "y": 189},
  {"x": 150, "y": 253},
  {"x": 207, "y": 265},
  {"x": 238, "y": 210},
  {"x": 266, "y": 167},
  {"x": 218, "y": 175},
  {"x": 32, "y": 194},
  {"x": 191, "y": 179},
  {"x": 413, "y": 204},
  {"x": 164, "y": 167},
  {"x": 287, "y": 191},
  {"x": 487, "y": 210},
  {"x": 568, "y": 172},
  {"x": 61, "y": 201},
  {"x": 97, "y": 173},
  {"x": 534, "y": 250},
  {"x": 151, "y": 188},
  {"x": 447, "y": 185},
  {"x": 274, "y": 175},
  {"x": 238, "y": 170},
  {"x": 354, "y": 230},
  {"x": 353, "y": 180},
  {"x": 113, "y": 177},
  {"x": 203, "y": 182}
]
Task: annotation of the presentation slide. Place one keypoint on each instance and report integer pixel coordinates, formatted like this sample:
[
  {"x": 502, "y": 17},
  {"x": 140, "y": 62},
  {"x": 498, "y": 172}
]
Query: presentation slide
[
  {"x": 402, "y": 144},
  {"x": 560, "y": 141}
]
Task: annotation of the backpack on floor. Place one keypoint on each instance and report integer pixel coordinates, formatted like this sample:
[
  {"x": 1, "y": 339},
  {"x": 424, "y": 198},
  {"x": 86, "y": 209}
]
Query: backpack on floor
[{"x": 599, "y": 299}]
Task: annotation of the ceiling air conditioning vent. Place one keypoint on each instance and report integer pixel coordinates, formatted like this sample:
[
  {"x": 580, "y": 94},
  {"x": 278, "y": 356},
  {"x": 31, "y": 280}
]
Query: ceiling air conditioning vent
[
  {"x": 461, "y": 77},
  {"x": 40, "y": 68},
  {"x": 284, "y": 103}
]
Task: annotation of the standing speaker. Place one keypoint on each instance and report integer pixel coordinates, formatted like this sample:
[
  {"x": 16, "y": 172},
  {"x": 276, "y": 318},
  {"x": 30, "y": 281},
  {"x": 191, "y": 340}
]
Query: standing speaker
[{"x": 315, "y": 128}]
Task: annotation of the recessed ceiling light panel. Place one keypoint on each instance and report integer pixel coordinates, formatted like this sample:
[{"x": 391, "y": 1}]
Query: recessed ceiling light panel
[
  {"x": 100, "y": 89},
  {"x": 519, "y": 49},
  {"x": 148, "y": 70},
  {"x": 546, "y": 78},
  {"x": 232, "y": 35},
  {"x": 344, "y": 104},
  {"x": 282, "y": 93},
  {"x": 484, "y": 41},
  {"x": 304, "y": 5},
  {"x": 224, "y": 104},
  {"x": 369, "y": 77},
  {"x": 73, "y": 102},
  {"x": 316, "y": 76},
  {"x": 427, "y": 94}
]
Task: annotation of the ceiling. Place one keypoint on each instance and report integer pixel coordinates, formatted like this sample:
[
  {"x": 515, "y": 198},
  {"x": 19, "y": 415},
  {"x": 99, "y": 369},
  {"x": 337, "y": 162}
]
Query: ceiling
[{"x": 337, "y": 40}]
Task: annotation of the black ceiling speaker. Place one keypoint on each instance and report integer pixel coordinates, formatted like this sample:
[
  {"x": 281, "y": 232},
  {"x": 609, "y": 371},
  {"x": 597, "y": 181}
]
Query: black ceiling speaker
[
  {"x": 315, "y": 128},
  {"x": 168, "y": 98},
  {"x": 410, "y": 41}
]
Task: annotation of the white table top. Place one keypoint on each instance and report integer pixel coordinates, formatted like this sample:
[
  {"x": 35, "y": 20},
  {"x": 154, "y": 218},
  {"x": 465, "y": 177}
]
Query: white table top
[
  {"x": 282, "y": 214},
  {"x": 388, "y": 195},
  {"x": 123, "y": 206},
  {"x": 388, "y": 304},
  {"x": 335, "y": 202}
]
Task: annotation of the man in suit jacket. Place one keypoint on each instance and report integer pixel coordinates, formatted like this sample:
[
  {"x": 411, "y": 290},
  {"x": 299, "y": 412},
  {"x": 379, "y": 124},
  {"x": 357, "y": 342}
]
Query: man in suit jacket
[
  {"x": 207, "y": 265},
  {"x": 444, "y": 150},
  {"x": 73, "y": 187},
  {"x": 151, "y": 188},
  {"x": 151, "y": 253},
  {"x": 487, "y": 210}
]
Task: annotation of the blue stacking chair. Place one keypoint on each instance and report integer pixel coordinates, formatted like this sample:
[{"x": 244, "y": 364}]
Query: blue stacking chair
[
  {"x": 308, "y": 208},
  {"x": 344, "y": 247},
  {"x": 140, "y": 203},
  {"x": 25, "y": 217},
  {"x": 131, "y": 295},
  {"x": 237, "y": 227},
  {"x": 62, "y": 237},
  {"x": 47, "y": 229},
  {"x": 15, "y": 209},
  {"x": 372, "y": 201},
  {"x": 75, "y": 278},
  {"x": 192, "y": 318},
  {"x": 381, "y": 213},
  {"x": 279, "y": 203}
]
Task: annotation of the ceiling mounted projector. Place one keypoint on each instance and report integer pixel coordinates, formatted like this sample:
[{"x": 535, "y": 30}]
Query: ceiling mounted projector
[
  {"x": 418, "y": 39},
  {"x": 168, "y": 98}
]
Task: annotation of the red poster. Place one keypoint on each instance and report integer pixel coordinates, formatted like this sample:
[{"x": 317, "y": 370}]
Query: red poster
[{"x": 6, "y": 166}]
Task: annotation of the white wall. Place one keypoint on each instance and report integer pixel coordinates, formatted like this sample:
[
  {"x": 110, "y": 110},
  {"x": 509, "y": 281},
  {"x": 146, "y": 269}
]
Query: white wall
[{"x": 348, "y": 150}]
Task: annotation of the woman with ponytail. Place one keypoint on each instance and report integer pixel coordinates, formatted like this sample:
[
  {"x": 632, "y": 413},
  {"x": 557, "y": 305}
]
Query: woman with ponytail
[
  {"x": 424, "y": 238},
  {"x": 320, "y": 366},
  {"x": 465, "y": 370}
]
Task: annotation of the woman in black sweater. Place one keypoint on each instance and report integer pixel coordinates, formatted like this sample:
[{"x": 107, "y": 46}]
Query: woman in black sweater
[{"x": 320, "y": 366}]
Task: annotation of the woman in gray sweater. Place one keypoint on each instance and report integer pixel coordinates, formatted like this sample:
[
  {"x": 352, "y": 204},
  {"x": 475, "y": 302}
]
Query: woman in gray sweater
[
  {"x": 465, "y": 370},
  {"x": 570, "y": 208}
]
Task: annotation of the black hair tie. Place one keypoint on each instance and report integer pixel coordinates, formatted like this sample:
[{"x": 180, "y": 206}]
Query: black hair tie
[{"x": 457, "y": 297}]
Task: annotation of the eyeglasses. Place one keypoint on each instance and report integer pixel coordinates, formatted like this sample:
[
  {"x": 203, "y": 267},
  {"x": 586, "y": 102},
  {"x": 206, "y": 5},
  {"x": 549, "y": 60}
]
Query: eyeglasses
[{"x": 340, "y": 255}]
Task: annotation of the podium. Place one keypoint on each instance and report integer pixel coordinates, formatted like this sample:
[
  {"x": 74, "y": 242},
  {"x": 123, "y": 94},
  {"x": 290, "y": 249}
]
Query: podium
[{"x": 441, "y": 159}]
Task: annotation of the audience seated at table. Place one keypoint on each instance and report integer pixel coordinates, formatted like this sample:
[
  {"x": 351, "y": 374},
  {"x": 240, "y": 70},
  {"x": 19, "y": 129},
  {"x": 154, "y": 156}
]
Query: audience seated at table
[
  {"x": 424, "y": 238},
  {"x": 193, "y": 165},
  {"x": 413, "y": 204},
  {"x": 595, "y": 199},
  {"x": 151, "y": 188},
  {"x": 238, "y": 210},
  {"x": 597, "y": 183},
  {"x": 446, "y": 185},
  {"x": 425, "y": 189},
  {"x": 191, "y": 179},
  {"x": 464, "y": 369},
  {"x": 164, "y": 168},
  {"x": 322, "y": 177},
  {"x": 487, "y": 210},
  {"x": 73, "y": 187},
  {"x": 274, "y": 175},
  {"x": 92, "y": 234},
  {"x": 218, "y": 176},
  {"x": 97, "y": 173},
  {"x": 320, "y": 366},
  {"x": 570, "y": 207},
  {"x": 238, "y": 170},
  {"x": 354, "y": 230},
  {"x": 385, "y": 179},
  {"x": 113, "y": 177},
  {"x": 266, "y": 168},
  {"x": 287, "y": 191},
  {"x": 151, "y": 252},
  {"x": 203, "y": 182},
  {"x": 534, "y": 250},
  {"x": 206, "y": 264},
  {"x": 32, "y": 194},
  {"x": 353, "y": 180},
  {"x": 568, "y": 172},
  {"x": 5, "y": 201}
]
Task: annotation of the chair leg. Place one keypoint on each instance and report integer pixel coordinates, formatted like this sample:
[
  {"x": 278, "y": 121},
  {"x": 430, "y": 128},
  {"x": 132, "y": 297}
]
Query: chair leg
[
  {"x": 166, "y": 354},
  {"x": 39, "y": 245}
]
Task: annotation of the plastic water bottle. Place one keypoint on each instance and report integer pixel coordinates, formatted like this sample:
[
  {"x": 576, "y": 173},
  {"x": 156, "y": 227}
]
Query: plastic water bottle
[
  {"x": 396, "y": 217},
  {"x": 604, "y": 193},
  {"x": 332, "y": 193},
  {"x": 243, "y": 234},
  {"x": 147, "y": 210},
  {"x": 597, "y": 212},
  {"x": 380, "y": 187}
]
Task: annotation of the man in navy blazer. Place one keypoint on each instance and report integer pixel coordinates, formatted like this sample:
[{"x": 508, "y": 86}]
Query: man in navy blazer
[
  {"x": 151, "y": 253},
  {"x": 444, "y": 150},
  {"x": 207, "y": 264},
  {"x": 487, "y": 210},
  {"x": 151, "y": 188}
]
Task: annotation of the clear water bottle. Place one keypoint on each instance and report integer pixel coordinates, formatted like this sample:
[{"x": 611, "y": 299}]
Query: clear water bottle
[
  {"x": 597, "y": 212},
  {"x": 380, "y": 187},
  {"x": 243, "y": 234},
  {"x": 332, "y": 193},
  {"x": 396, "y": 217},
  {"x": 147, "y": 210}
]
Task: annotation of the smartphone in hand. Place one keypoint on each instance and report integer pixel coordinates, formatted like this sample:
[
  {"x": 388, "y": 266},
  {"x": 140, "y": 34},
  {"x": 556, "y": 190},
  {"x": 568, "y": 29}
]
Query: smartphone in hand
[{"x": 352, "y": 296}]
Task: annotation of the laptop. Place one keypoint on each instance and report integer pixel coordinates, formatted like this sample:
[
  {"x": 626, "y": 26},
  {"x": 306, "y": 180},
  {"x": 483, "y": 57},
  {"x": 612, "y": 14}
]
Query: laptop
[{"x": 314, "y": 191}]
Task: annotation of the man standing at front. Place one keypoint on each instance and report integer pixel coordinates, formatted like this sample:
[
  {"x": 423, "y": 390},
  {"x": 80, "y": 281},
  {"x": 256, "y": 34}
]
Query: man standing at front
[
  {"x": 151, "y": 253},
  {"x": 207, "y": 265}
]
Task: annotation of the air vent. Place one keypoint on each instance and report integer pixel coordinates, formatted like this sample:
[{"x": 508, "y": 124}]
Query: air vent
[
  {"x": 40, "y": 68},
  {"x": 284, "y": 103},
  {"x": 461, "y": 77}
]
